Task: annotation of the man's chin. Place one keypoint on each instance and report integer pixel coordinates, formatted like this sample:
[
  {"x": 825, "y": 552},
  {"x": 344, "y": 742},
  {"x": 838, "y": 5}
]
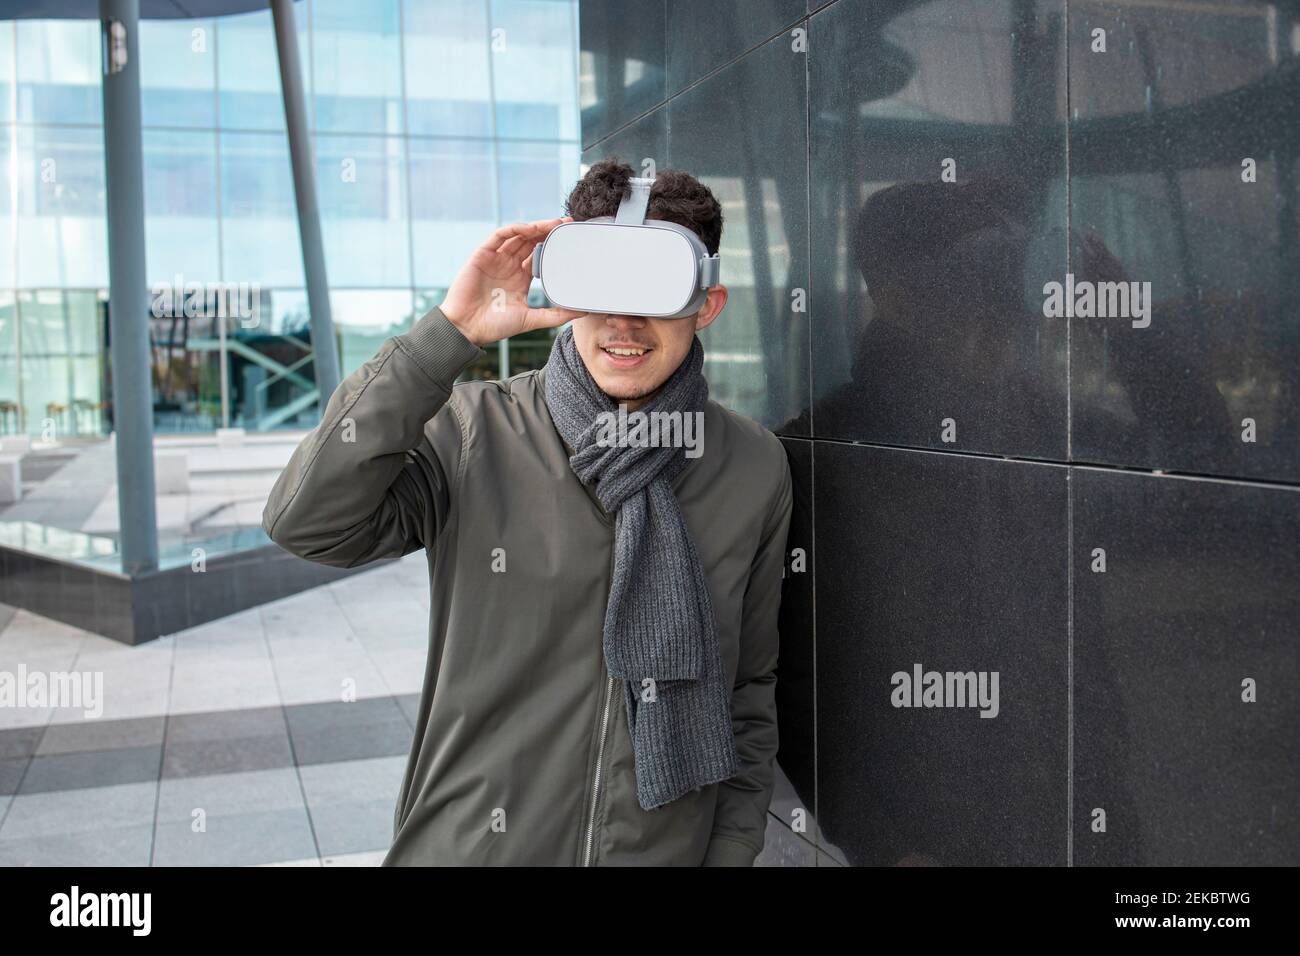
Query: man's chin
[
  {"x": 627, "y": 395},
  {"x": 625, "y": 391}
]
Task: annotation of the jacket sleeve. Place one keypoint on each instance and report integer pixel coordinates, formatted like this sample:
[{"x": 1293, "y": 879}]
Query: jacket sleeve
[
  {"x": 366, "y": 483},
  {"x": 740, "y": 817}
]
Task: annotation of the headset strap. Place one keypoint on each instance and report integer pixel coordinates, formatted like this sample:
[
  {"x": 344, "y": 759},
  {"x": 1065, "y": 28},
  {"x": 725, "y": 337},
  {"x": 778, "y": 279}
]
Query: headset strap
[{"x": 631, "y": 211}]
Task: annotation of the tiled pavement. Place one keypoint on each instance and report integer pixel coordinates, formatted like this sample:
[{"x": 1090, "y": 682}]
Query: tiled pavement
[
  {"x": 231, "y": 743},
  {"x": 274, "y": 736}
]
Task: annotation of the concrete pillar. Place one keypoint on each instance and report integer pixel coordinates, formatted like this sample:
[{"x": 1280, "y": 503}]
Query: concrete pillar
[
  {"x": 128, "y": 296},
  {"x": 325, "y": 359}
]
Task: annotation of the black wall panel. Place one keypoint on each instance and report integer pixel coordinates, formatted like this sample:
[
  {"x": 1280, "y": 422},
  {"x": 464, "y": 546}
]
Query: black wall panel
[{"x": 1018, "y": 283}]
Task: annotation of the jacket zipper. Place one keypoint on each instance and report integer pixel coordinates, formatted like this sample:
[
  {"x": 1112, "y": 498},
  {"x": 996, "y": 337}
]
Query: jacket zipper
[
  {"x": 600, "y": 756},
  {"x": 604, "y": 719}
]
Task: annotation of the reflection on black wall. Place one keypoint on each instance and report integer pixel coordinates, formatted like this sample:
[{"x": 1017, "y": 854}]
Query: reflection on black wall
[{"x": 1100, "y": 503}]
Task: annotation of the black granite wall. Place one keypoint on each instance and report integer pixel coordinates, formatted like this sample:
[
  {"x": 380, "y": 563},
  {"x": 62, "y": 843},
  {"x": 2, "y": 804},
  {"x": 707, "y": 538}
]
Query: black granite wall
[{"x": 1099, "y": 505}]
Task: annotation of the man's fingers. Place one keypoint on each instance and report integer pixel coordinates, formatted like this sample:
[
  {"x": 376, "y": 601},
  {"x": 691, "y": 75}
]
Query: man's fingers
[
  {"x": 512, "y": 249},
  {"x": 505, "y": 232},
  {"x": 538, "y": 228},
  {"x": 538, "y": 239},
  {"x": 511, "y": 244}
]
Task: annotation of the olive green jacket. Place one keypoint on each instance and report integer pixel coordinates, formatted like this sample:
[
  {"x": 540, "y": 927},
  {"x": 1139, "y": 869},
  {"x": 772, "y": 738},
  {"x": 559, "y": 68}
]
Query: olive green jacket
[{"x": 521, "y": 751}]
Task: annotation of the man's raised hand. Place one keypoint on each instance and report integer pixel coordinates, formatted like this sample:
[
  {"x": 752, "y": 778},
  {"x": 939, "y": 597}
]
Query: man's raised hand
[{"x": 488, "y": 299}]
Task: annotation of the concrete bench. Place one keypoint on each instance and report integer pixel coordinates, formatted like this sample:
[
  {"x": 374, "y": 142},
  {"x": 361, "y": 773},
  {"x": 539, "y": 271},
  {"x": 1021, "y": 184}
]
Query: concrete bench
[
  {"x": 15, "y": 445},
  {"x": 228, "y": 438},
  {"x": 171, "y": 471},
  {"x": 11, "y": 479}
]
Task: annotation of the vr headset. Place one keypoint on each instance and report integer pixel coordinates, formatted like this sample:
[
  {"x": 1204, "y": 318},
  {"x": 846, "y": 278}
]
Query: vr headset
[{"x": 626, "y": 264}]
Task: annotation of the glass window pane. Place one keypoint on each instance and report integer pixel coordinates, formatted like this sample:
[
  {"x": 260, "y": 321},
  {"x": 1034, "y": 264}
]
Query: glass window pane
[
  {"x": 356, "y": 66},
  {"x": 6, "y": 70},
  {"x": 269, "y": 369},
  {"x": 248, "y": 70},
  {"x": 536, "y": 178},
  {"x": 287, "y": 314},
  {"x": 6, "y": 208},
  {"x": 448, "y": 88},
  {"x": 180, "y": 190},
  {"x": 62, "y": 362},
  {"x": 453, "y": 207},
  {"x": 61, "y": 230},
  {"x": 177, "y": 73},
  {"x": 361, "y": 185},
  {"x": 259, "y": 224},
  {"x": 534, "y": 69},
  {"x": 58, "y": 71},
  {"x": 365, "y": 318},
  {"x": 10, "y": 393}
]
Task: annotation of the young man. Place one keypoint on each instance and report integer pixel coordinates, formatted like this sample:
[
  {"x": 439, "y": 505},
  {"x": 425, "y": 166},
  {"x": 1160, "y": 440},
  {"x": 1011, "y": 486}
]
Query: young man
[{"x": 603, "y": 634}]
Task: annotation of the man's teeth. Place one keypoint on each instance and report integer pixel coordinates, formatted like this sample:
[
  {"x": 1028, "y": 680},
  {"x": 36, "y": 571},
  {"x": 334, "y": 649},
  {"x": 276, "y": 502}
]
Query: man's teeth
[{"x": 614, "y": 351}]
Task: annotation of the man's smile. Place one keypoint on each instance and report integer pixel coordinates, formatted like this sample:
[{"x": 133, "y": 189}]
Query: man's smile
[{"x": 625, "y": 355}]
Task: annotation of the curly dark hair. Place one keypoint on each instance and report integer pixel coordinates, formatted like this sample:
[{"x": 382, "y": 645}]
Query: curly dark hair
[{"x": 676, "y": 196}]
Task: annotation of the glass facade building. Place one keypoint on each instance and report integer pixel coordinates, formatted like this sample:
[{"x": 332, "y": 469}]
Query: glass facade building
[{"x": 432, "y": 124}]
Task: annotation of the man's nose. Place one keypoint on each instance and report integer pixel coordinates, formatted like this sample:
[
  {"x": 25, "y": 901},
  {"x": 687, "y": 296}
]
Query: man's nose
[{"x": 625, "y": 321}]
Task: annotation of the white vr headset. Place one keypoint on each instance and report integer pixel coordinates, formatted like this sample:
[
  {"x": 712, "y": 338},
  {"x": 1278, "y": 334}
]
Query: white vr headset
[{"x": 626, "y": 264}]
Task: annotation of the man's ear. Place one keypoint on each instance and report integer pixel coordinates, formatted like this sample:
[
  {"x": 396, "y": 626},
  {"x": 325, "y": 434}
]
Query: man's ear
[{"x": 713, "y": 306}]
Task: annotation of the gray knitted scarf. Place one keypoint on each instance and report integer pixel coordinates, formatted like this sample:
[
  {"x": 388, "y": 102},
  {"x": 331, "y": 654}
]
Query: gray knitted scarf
[{"x": 660, "y": 636}]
